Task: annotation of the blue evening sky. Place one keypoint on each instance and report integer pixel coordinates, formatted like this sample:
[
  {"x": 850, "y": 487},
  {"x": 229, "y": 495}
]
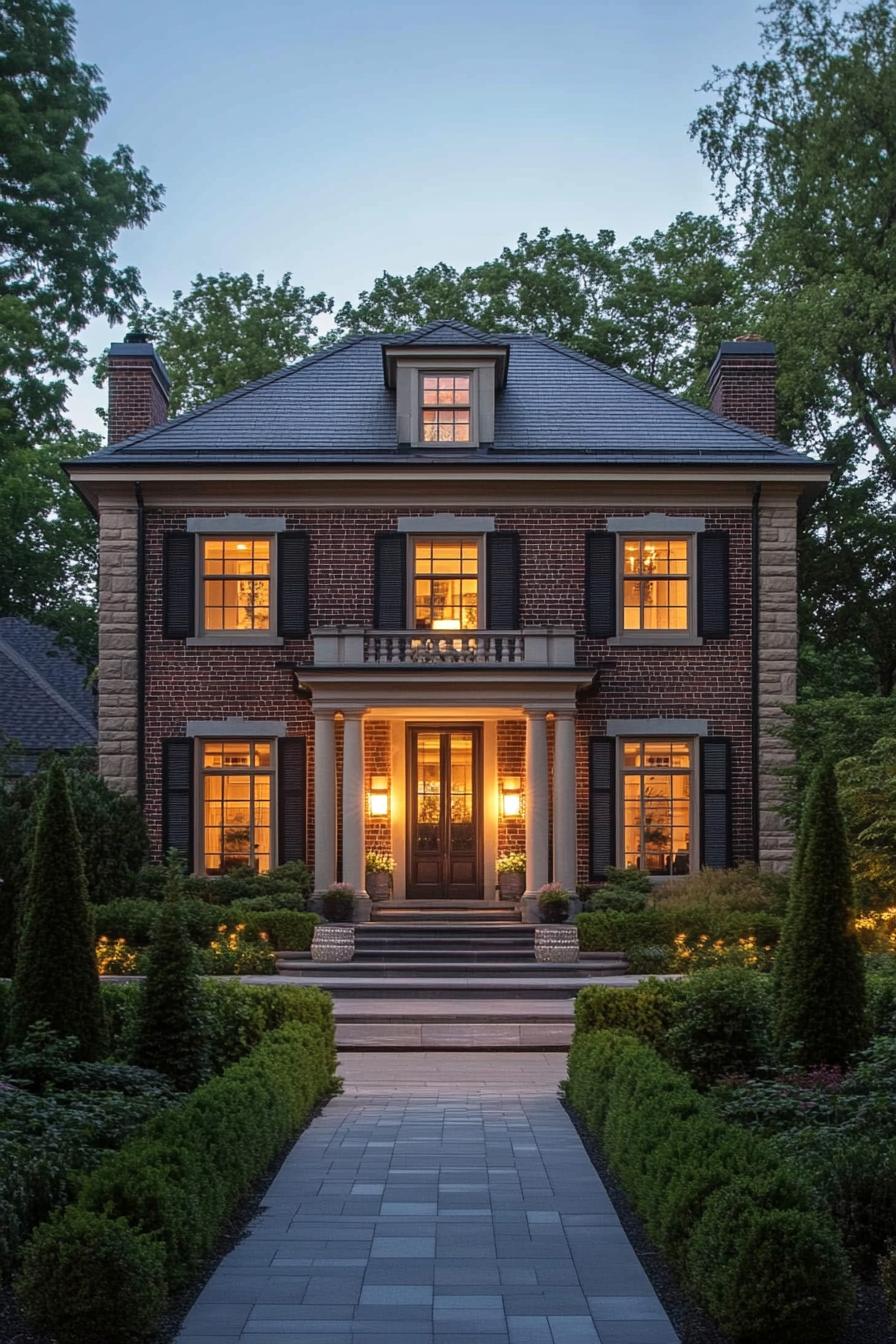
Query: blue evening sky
[{"x": 341, "y": 138}]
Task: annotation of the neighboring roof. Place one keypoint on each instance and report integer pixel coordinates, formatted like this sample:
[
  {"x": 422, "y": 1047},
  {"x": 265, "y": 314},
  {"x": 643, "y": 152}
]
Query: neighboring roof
[
  {"x": 44, "y": 704},
  {"x": 558, "y": 406}
]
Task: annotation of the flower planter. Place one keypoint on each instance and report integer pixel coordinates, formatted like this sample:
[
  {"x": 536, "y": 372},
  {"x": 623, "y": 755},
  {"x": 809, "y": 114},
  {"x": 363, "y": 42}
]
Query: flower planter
[
  {"x": 557, "y": 942},
  {"x": 333, "y": 942},
  {"x": 379, "y": 886},
  {"x": 511, "y": 885}
]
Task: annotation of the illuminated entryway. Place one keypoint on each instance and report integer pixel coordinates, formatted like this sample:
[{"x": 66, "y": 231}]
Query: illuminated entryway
[{"x": 444, "y": 771}]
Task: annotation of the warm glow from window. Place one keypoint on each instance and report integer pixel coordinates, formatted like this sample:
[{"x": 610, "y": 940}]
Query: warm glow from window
[
  {"x": 446, "y": 585},
  {"x": 237, "y": 782},
  {"x": 236, "y": 583},
  {"x": 656, "y": 798},
  {"x": 655, "y": 584},
  {"x": 446, "y": 408}
]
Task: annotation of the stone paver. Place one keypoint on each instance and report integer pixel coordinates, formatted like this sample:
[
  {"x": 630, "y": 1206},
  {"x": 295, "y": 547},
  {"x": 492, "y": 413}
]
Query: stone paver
[{"x": 444, "y": 1197}]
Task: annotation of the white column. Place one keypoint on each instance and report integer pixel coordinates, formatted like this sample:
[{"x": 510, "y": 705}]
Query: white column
[
  {"x": 353, "y": 799},
  {"x": 565, "y": 800},
  {"x": 536, "y": 800},
  {"x": 324, "y": 799}
]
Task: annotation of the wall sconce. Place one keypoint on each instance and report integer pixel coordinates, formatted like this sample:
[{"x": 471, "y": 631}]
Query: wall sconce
[
  {"x": 511, "y": 796},
  {"x": 378, "y": 797}
]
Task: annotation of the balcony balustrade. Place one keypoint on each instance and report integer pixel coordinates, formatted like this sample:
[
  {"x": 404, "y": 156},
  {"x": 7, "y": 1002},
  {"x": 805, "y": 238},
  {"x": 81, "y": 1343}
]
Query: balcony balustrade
[{"x": 355, "y": 646}]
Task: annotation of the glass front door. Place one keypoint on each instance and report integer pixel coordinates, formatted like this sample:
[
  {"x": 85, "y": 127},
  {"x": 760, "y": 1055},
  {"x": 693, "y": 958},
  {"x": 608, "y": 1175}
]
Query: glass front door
[{"x": 445, "y": 831}]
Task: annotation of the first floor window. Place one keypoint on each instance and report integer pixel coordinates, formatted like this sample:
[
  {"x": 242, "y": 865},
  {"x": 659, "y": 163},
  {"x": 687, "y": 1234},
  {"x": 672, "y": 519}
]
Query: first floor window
[
  {"x": 237, "y": 788},
  {"x": 656, "y": 800},
  {"x": 236, "y": 583},
  {"x": 654, "y": 584}
]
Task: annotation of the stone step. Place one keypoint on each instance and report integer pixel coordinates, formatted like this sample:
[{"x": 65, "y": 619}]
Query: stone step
[
  {"x": 387, "y": 966},
  {"x": 408, "y": 1034},
  {"x": 444, "y": 915},
  {"x": 416, "y": 986}
]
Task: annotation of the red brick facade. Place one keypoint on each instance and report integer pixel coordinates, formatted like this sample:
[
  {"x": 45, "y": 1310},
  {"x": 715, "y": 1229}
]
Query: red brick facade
[
  {"x": 138, "y": 398},
  {"x": 742, "y": 385},
  {"x": 710, "y": 681}
]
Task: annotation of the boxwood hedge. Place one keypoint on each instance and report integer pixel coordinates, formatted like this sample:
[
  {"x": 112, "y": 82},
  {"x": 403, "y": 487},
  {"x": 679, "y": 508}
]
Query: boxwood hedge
[
  {"x": 723, "y": 1205},
  {"x": 619, "y": 931},
  {"x": 158, "y": 1205}
]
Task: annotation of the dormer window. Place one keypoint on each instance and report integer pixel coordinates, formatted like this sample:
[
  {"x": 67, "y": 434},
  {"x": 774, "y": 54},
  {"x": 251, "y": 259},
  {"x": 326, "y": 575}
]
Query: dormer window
[{"x": 446, "y": 408}]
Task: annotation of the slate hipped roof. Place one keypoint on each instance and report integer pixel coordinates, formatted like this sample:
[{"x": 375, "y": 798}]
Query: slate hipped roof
[
  {"x": 44, "y": 703},
  {"x": 557, "y": 406}
]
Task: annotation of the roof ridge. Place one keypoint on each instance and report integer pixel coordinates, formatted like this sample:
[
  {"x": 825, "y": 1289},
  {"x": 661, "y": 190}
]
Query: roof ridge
[
  {"x": 661, "y": 392},
  {"x": 453, "y": 324},
  {"x": 314, "y": 358},
  {"x": 26, "y": 666}
]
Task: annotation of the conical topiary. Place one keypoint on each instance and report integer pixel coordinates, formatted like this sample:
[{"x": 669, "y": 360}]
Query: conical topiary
[
  {"x": 56, "y": 979},
  {"x": 173, "y": 1036},
  {"x": 819, "y": 969}
]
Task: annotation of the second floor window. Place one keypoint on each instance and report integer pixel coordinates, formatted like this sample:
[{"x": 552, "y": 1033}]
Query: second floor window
[
  {"x": 446, "y": 584},
  {"x": 446, "y": 409},
  {"x": 655, "y": 584},
  {"x": 236, "y": 583}
]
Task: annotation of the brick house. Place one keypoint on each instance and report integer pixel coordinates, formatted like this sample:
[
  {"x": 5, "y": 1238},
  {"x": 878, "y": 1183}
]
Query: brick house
[{"x": 448, "y": 595}]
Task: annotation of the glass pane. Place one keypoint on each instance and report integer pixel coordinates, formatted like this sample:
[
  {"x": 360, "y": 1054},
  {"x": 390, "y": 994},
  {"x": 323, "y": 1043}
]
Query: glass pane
[
  {"x": 631, "y": 753},
  {"x": 462, "y": 832}
]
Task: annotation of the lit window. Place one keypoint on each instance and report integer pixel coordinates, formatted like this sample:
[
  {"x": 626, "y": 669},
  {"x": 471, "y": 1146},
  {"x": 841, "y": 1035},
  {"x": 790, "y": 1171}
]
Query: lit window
[
  {"x": 446, "y": 408},
  {"x": 236, "y": 583},
  {"x": 446, "y": 585},
  {"x": 655, "y": 584},
  {"x": 656, "y": 794},
  {"x": 237, "y": 782}
]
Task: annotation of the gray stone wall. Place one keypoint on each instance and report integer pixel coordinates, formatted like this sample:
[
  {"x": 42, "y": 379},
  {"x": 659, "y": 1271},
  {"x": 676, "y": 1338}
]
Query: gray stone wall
[
  {"x": 777, "y": 668},
  {"x": 117, "y": 707}
]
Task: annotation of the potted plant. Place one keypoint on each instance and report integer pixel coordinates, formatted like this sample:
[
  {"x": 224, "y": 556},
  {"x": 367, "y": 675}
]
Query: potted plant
[
  {"x": 338, "y": 903},
  {"x": 512, "y": 875},
  {"x": 553, "y": 904},
  {"x": 379, "y": 869},
  {"x": 555, "y": 940}
]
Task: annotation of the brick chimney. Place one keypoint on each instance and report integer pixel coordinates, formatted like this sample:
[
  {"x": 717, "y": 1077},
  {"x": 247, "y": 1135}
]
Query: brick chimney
[
  {"x": 742, "y": 383},
  {"x": 138, "y": 387}
]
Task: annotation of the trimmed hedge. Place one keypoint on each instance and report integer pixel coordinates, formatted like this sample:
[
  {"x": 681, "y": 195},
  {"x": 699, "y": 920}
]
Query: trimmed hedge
[
  {"x": 646, "y": 1010},
  {"x": 722, "y": 1204},
  {"x": 134, "y": 921},
  {"x": 618, "y": 931},
  {"x": 175, "y": 1184},
  {"x": 237, "y": 1016}
]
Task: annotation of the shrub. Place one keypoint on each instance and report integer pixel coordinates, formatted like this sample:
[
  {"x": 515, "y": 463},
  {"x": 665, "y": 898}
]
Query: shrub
[
  {"x": 47, "y": 1062},
  {"x": 286, "y": 887},
  {"x": 238, "y": 951},
  {"x": 819, "y": 973},
  {"x": 56, "y": 978},
  {"x": 514, "y": 861},
  {"x": 376, "y": 861},
  {"x": 722, "y": 1024},
  {"x": 290, "y": 930},
  {"x": 181, "y": 1178},
  {"x": 646, "y": 1010},
  {"x": 114, "y": 957},
  {"x": 338, "y": 903},
  {"x": 678, "y": 1160},
  {"x": 880, "y": 991},
  {"x": 172, "y": 1028},
  {"x": 888, "y": 1282},
  {"x": 84, "y": 1272},
  {"x": 553, "y": 904},
  {"x": 113, "y": 834},
  {"x": 746, "y": 887},
  {"x": 650, "y": 960},
  {"x": 617, "y": 931}
]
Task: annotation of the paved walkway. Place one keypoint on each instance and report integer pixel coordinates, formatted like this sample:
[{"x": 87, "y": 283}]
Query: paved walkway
[{"x": 444, "y": 1197}]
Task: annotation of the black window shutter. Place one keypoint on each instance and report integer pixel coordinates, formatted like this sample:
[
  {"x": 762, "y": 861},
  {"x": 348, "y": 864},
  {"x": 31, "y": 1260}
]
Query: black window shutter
[
  {"x": 292, "y": 584},
  {"x": 600, "y": 584},
  {"x": 713, "y": 620},
  {"x": 601, "y": 804},
  {"x": 715, "y": 802},
  {"x": 502, "y": 580},
  {"x": 177, "y": 797},
  {"x": 292, "y": 790},
  {"x": 179, "y": 585},
  {"x": 390, "y": 608}
]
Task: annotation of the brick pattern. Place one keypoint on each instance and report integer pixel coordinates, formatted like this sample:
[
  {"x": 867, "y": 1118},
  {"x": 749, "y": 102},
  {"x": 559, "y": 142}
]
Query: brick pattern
[
  {"x": 137, "y": 400},
  {"x": 511, "y": 760},
  {"x": 711, "y": 681},
  {"x": 742, "y": 388}
]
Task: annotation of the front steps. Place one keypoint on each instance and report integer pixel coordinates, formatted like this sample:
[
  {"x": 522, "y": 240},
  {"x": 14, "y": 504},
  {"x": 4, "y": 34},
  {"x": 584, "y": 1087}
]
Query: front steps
[{"x": 446, "y": 979}]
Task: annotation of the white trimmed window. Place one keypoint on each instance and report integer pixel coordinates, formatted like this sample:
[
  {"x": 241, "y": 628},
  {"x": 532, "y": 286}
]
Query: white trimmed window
[
  {"x": 237, "y": 782},
  {"x": 657, "y": 790}
]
